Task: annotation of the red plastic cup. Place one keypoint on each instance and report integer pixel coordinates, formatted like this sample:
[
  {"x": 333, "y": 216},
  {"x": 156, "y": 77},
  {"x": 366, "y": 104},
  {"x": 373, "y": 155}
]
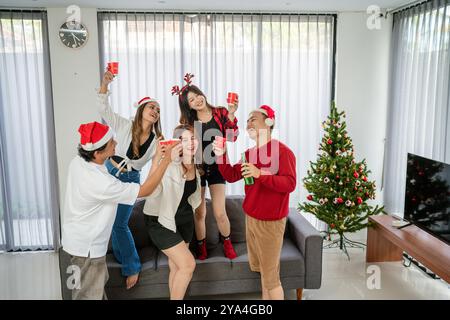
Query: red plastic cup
[
  {"x": 232, "y": 97},
  {"x": 168, "y": 142},
  {"x": 113, "y": 67},
  {"x": 220, "y": 141}
]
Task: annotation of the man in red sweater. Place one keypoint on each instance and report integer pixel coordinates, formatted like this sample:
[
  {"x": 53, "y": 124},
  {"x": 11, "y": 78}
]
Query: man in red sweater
[{"x": 266, "y": 204}]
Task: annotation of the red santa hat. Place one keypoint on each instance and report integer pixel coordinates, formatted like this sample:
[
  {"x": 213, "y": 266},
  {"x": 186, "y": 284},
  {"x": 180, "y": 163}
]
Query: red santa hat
[
  {"x": 270, "y": 114},
  {"x": 94, "y": 135},
  {"x": 144, "y": 101}
]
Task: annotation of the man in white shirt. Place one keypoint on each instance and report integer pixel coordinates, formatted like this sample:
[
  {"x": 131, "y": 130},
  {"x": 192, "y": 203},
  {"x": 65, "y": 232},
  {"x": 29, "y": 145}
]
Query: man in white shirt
[{"x": 92, "y": 196}]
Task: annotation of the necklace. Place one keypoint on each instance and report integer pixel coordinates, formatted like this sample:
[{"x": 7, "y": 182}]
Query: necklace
[{"x": 185, "y": 174}]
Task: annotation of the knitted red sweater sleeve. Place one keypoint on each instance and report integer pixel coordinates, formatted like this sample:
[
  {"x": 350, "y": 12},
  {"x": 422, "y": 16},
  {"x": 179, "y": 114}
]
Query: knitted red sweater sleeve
[
  {"x": 286, "y": 178},
  {"x": 231, "y": 173}
]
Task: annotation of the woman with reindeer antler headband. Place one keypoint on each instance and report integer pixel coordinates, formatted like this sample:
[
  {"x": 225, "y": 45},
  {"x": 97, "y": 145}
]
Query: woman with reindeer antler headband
[
  {"x": 214, "y": 122},
  {"x": 136, "y": 146}
]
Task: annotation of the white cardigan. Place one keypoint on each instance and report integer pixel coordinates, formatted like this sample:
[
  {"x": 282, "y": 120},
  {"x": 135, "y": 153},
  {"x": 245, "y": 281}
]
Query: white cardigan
[
  {"x": 122, "y": 128},
  {"x": 164, "y": 201}
]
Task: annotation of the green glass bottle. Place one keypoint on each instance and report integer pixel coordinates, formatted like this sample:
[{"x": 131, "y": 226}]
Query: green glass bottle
[{"x": 248, "y": 181}]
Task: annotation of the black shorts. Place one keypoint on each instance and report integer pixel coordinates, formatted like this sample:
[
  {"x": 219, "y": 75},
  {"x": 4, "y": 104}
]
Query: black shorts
[
  {"x": 212, "y": 175},
  {"x": 164, "y": 238}
]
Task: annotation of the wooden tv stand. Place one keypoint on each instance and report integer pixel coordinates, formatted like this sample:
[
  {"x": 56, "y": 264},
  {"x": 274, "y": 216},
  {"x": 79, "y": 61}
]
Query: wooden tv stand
[{"x": 387, "y": 243}]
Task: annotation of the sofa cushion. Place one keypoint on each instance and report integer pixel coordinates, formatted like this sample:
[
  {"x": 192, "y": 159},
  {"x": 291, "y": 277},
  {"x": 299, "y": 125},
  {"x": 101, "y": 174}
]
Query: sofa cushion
[
  {"x": 236, "y": 215},
  {"x": 233, "y": 206},
  {"x": 137, "y": 226},
  {"x": 219, "y": 268},
  {"x": 212, "y": 230},
  {"x": 292, "y": 263}
]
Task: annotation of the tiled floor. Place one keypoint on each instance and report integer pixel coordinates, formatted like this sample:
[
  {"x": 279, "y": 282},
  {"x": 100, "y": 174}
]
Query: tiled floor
[
  {"x": 344, "y": 279},
  {"x": 36, "y": 276},
  {"x": 28, "y": 275}
]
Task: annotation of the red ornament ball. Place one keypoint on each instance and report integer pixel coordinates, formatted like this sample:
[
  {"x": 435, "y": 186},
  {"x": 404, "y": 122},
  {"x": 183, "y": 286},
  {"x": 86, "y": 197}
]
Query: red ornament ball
[
  {"x": 330, "y": 141},
  {"x": 340, "y": 200},
  {"x": 359, "y": 200},
  {"x": 355, "y": 174},
  {"x": 309, "y": 197}
]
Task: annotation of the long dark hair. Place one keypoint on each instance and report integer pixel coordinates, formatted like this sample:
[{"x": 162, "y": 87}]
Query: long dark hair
[
  {"x": 136, "y": 129},
  {"x": 177, "y": 134},
  {"x": 188, "y": 115}
]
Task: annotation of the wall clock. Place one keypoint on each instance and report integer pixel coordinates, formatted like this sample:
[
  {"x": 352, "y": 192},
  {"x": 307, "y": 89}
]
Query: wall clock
[{"x": 73, "y": 34}]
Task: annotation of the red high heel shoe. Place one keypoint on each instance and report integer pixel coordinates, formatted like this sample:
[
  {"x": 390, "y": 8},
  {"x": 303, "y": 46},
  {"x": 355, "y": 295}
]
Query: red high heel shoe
[
  {"x": 202, "y": 254},
  {"x": 228, "y": 249}
]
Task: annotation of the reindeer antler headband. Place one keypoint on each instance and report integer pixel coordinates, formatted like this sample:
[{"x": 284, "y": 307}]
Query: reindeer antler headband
[{"x": 188, "y": 79}]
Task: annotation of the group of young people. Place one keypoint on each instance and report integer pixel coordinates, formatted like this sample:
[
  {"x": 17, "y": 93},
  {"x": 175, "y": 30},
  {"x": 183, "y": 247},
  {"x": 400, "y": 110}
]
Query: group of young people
[{"x": 104, "y": 182}]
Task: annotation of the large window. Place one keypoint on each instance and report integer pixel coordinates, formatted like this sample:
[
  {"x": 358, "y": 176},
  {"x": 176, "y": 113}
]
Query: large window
[
  {"x": 285, "y": 61},
  {"x": 419, "y": 114},
  {"x": 28, "y": 171}
]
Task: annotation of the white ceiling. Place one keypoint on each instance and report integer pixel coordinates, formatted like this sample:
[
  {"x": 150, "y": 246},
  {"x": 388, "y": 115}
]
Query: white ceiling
[{"x": 222, "y": 5}]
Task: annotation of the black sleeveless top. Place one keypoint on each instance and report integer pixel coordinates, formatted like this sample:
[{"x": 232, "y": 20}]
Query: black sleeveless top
[
  {"x": 208, "y": 139},
  {"x": 142, "y": 150}
]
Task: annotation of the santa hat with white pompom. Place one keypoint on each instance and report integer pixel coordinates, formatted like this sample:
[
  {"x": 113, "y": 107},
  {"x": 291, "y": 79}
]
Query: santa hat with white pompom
[
  {"x": 268, "y": 112},
  {"x": 94, "y": 135},
  {"x": 145, "y": 100}
]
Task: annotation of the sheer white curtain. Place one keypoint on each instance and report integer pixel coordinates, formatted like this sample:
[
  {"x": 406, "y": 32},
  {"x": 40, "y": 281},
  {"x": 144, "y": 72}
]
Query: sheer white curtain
[
  {"x": 281, "y": 60},
  {"x": 420, "y": 97},
  {"x": 28, "y": 173}
]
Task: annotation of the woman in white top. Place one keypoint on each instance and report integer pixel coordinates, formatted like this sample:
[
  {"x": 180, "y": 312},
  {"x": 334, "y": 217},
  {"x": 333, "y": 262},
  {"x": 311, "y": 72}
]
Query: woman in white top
[
  {"x": 169, "y": 211},
  {"x": 136, "y": 145}
]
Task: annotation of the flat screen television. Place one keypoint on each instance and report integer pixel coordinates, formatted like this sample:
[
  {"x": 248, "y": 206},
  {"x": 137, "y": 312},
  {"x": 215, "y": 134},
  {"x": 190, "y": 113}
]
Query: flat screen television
[{"x": 427, "y": 196}]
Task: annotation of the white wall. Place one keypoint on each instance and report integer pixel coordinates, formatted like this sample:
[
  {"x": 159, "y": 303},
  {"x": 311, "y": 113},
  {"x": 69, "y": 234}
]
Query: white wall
[
  {"x": 362, "y": 72},
  {"x": 75, "y": 75}
]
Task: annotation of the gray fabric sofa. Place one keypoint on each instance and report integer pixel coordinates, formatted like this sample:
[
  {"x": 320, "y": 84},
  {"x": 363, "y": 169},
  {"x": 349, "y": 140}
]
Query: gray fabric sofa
[{"x": 301, "y": 260}]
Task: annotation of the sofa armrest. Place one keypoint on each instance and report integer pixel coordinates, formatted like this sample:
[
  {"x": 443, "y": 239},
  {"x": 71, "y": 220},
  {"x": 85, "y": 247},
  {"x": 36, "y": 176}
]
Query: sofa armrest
[{"x": 309, "y": 241}]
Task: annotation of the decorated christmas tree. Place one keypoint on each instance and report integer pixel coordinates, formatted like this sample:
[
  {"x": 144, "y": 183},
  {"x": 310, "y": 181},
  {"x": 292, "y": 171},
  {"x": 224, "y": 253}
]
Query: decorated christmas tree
[{"x": 338, "y": 186}]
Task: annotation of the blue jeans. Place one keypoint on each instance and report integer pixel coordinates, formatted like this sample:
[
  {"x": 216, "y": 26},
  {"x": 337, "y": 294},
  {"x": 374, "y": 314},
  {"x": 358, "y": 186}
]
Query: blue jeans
[{"x": 122, "y": 240}]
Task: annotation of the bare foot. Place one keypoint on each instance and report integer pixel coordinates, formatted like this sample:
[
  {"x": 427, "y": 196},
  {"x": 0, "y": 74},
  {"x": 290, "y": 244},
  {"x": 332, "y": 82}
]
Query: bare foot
[{"x": 132, "y": 280}]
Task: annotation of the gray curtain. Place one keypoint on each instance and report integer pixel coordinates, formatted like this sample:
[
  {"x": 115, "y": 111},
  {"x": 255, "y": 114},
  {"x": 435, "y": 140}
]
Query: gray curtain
[
  {"x": 29, "y": 208},
  {"x": 420, "y": 96}
]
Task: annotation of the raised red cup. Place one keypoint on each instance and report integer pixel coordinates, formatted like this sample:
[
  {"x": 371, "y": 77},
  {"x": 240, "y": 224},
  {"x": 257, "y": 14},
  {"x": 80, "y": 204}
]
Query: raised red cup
[
  {"x": 232, "y": 97},
  {"x": 168, "y": 142},
  {"x": 113, "y": 67}
]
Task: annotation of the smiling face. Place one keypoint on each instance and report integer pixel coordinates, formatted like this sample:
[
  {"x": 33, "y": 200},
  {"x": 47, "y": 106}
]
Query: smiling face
[
  {"x": 196, "y": 101},
  {"x": 256, "y": 124},
  {"x": 189, "y": 143},
  {"x": 151, "y": 112}
]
